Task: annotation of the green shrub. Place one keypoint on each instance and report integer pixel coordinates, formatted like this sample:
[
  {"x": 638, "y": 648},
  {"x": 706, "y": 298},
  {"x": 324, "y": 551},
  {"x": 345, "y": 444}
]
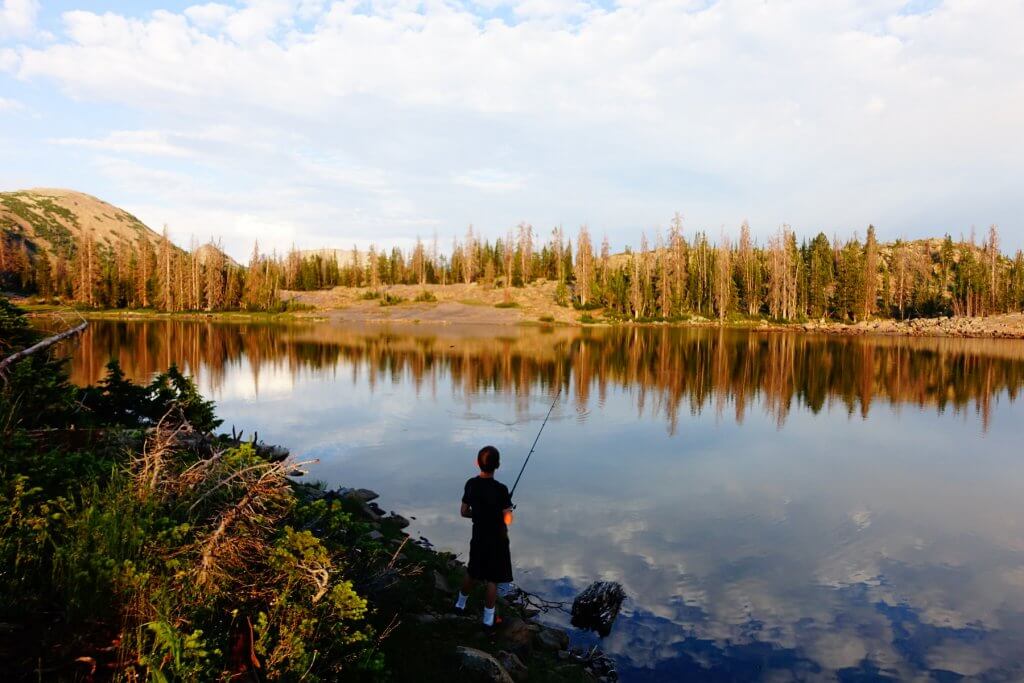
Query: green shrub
[
  {"x": 389, "y": 299},
  {"x": 506, "y": 304},
  {"x": 370, "y": 295},
  {"x": 547, "y": 318},
  {"x": 424, "y": 297}
]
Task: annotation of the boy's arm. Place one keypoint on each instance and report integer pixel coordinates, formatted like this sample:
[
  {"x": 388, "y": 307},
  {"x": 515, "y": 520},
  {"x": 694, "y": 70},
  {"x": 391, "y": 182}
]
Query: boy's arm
[
  {"x": 508, "y": 516},
  {"x": 466, "y": 511}
]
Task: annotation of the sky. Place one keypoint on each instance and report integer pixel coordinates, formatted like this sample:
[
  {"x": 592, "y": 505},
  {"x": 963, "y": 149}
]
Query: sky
[{"x": 333, "y": 124}]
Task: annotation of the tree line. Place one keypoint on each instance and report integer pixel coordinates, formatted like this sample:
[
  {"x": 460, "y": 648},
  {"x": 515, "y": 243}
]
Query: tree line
[{"x": 671, "y": 276}]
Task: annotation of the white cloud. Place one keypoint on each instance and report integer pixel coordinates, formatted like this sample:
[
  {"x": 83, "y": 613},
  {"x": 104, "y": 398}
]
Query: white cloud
[
  {"x": 18, "y": 17},
  {"x": 7, "y": 104},
  {"x": 490, "y": 180},
  {"x": 824, "y": 115},
  {"x": 132, "y": 142}
]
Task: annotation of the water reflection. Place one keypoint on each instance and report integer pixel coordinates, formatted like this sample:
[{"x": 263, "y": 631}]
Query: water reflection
[
  {"x": 777, "y": 506},
  {"x": 670, "y": 370}
]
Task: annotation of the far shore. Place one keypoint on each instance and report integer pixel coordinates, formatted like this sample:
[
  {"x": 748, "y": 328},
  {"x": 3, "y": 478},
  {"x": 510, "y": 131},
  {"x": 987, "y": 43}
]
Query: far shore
[{"x": 460, "y": 304}]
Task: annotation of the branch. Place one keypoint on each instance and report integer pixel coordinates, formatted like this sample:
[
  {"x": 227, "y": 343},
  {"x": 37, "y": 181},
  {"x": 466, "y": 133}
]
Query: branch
[{"x": 44, "y": 344}]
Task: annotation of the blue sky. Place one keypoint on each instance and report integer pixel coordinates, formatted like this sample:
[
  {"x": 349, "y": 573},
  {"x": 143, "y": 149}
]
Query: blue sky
[{"x": 338, "y": 123}]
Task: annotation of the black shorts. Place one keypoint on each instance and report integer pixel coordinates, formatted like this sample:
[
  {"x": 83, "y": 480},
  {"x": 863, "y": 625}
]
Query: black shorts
[{"x": 489, "y": 558}]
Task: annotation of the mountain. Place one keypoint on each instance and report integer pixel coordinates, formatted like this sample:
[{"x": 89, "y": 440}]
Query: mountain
[{"x": 54, "y": 220}]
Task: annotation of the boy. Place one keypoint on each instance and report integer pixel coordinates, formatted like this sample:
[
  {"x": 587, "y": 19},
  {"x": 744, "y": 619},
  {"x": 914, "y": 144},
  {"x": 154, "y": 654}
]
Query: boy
[{"x": 487, "y": 502}]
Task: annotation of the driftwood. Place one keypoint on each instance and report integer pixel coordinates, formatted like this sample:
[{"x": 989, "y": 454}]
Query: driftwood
[{"x": 44, "y": 344}]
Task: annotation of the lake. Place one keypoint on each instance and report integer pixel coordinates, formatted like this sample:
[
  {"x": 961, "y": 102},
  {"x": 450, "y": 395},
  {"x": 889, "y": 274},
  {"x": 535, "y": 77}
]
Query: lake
[{"x": 777, "y": 506}]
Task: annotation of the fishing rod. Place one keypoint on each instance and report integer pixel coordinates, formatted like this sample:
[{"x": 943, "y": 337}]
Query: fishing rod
[{"x": 534, "y": 446}]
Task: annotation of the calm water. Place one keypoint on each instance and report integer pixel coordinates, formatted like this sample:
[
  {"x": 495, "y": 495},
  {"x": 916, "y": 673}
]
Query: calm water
[{"x": 778, "y": 507}]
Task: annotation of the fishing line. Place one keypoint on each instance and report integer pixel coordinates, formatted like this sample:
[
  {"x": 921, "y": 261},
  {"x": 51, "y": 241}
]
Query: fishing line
[{"x": 534, "y": 446}]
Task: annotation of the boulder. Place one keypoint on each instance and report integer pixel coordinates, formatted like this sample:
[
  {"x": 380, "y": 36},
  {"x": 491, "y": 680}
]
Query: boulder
[
  {"x": 441, "y": 583},
  {"x": 370, "y": 513},
  {"x": 553, "y": 639},
  {"x": 512, "y": 664},
  {"x": 477, "y": 665},
  {"x": 517, "y": 633},
  {"x": 597, "y": 606},
  {"x": 375, "y": 535},
  {"x": 362, "y": 495},
  {"x": 398, "y": 520}
]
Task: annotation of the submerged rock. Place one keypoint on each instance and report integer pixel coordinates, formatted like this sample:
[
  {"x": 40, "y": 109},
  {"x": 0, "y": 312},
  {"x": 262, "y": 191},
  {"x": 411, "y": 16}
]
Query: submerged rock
[{"x": 597, "y": 606}]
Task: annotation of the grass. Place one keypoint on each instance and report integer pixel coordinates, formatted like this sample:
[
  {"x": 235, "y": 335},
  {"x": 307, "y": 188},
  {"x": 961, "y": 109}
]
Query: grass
[
  {"x": 547, "y": 318},
  {"x": 389, "y": 299},
  {"x": 506, "y": 304},
  {"x": 425, "y": 297}
]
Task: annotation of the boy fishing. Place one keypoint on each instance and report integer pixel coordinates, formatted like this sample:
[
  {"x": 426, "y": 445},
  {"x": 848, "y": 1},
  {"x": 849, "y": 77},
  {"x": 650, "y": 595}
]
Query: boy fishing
[{"x": 487, "y": 502}]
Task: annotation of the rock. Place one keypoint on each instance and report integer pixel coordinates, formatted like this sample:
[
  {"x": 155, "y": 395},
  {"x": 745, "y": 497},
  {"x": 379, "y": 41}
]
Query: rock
[
  {"x": 271, "y": 453},
  {"x": 398, "y": 520},
  {"x": 424, "y": 618},
  {"x": 375, "y": 535},
  {"x": 517, "y": 634},
  {"x": 597, "y": 606},
  {"x": 480, "y": 666},
  {"x": 362, "y": 495},
  {"x": 553, "y": 639},
  {"x": 441, "y": 583},
  {"x": 370, "y": 513},
  {"x": 564, "y": 655},
  {"x": 512, "y": 664}
]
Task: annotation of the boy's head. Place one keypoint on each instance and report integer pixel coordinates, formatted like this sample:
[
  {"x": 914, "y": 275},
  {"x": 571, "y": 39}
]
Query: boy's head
[{"x": 488, "y": 459}]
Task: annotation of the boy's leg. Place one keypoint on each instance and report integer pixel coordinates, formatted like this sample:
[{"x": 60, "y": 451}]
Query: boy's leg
[
  {"x": 490, "y": 599},
  {"x": 467, "y": 586},
  {"x": 491, "y": 596}
]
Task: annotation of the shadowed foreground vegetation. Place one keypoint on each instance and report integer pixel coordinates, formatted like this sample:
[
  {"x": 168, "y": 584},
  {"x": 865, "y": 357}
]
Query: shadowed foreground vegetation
[{"x": 137, "y": 545}]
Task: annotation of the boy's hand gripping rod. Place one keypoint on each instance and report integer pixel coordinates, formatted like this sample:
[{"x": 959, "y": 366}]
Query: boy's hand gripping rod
[{"x": 534, "y": 446}]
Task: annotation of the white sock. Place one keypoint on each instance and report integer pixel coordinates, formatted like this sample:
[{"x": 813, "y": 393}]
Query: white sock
[
  {"x": 488, "y": 616},
  {"x": 461, "y": 602}
]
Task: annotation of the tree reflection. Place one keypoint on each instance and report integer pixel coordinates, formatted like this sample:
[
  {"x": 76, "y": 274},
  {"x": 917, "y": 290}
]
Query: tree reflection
[{"x": 667, "y": 370}]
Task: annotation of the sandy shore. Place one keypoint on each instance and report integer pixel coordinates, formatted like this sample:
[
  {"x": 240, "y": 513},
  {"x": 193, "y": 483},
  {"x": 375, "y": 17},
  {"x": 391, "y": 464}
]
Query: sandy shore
[{"x": 461, "y": 304}]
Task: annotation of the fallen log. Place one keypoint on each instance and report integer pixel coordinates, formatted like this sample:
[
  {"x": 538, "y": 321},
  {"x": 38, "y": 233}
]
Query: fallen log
[{"x": 39, "y": 346}]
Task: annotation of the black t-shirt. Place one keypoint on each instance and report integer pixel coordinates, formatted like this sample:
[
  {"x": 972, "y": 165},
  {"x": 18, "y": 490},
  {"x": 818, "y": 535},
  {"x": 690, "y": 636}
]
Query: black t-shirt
[{"x": 489, "y": 500}]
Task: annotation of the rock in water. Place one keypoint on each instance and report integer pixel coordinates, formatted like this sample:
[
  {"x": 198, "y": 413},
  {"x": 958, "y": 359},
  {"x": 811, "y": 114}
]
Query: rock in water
[{"x": 597, "y": 606}]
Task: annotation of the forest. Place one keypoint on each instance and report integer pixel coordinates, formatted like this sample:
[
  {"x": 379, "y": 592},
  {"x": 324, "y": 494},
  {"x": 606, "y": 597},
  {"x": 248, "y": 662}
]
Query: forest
[{"x": 670, "y": 277}]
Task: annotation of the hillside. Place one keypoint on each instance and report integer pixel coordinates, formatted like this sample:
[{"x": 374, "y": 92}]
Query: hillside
[{"x": 53, "y": 220}]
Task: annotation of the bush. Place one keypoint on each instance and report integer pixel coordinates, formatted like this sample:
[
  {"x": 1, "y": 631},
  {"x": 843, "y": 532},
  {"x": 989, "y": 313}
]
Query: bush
[
  {"x": 562, "y": 295},
  {"x": 191, "y": 552},
  {"x": 425, "y": 297},
  {"x": 389, "y": 299},
  {"x": 587, "y": 319},
  {"x": 506, "y": 304},
  {"x": 370, "y": 294},
  {"x": 547, "y": 318}
]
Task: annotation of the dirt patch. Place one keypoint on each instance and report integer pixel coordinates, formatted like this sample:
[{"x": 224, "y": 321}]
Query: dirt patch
[{"x": 454, "y": 304}]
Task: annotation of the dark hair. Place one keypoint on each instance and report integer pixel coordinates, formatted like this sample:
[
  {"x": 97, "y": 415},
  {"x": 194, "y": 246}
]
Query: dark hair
[{"x": 489, "y": 459}]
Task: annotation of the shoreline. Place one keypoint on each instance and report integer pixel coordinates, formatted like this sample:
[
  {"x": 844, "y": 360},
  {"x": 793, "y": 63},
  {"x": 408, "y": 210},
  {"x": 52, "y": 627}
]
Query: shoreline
[
  {"x": 522, "y": 648},
  {"x": 1004, "y": 326}
]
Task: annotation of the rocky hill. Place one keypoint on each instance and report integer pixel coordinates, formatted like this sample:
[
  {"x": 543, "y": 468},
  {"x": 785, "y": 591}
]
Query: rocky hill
[{"x": 54, "y": 220}]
